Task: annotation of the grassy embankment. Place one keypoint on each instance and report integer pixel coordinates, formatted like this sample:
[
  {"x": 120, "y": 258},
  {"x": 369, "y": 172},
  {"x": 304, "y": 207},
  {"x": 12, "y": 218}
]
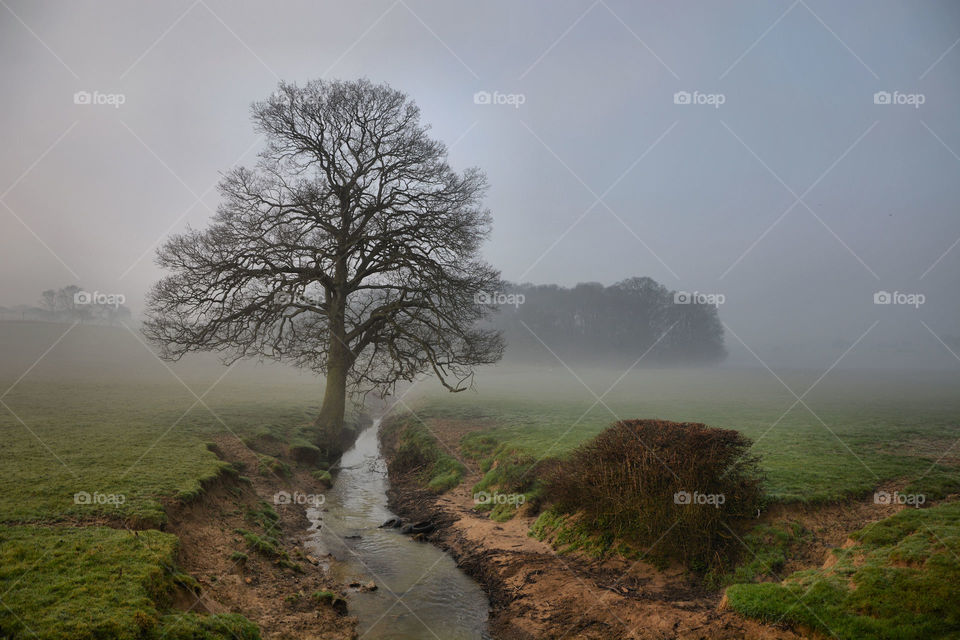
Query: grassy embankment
[
  {"x": 99, "y": 415},
  {"x": 897, "y": 581},
  {"x": 864, "y": 430}
]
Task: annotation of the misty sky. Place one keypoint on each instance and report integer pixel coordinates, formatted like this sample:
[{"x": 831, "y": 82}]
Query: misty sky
[{"x": 597, "y": 176}]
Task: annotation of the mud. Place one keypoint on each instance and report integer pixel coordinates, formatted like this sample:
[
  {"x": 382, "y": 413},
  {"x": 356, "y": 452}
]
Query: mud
[{"x": 278, "y": 599}]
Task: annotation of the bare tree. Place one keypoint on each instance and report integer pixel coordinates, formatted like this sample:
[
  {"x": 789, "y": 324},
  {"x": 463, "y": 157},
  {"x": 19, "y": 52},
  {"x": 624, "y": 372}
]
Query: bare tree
[
  {"x": 352, "y": 248},
  {"x": 48, "y": 301}
]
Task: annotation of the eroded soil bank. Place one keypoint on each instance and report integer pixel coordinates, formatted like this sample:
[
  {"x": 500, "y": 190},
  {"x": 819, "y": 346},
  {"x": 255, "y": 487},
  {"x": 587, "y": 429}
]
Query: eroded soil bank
[
  {"x": 236, "y": 577},
  {"x": 536, "y": 593}
]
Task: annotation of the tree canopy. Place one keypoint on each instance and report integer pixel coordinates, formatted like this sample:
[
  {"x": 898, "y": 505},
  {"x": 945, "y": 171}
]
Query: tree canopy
[{"x": 351, "y": 248}]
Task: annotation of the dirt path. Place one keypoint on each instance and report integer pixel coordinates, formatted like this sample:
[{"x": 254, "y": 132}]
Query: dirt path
[{"x": 278, "y": 599}]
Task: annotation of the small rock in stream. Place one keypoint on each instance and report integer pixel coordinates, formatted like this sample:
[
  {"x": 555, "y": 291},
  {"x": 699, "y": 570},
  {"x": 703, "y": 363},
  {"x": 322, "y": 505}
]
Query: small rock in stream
[{"x": 420, "y": 527}]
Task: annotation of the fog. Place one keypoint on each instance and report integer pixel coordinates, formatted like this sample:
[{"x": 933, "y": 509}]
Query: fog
[{"x": 739, "y": 149}]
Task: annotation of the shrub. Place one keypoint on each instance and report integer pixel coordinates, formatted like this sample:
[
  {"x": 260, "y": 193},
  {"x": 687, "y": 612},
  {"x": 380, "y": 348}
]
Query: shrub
[{"x": 641, "y": 479}]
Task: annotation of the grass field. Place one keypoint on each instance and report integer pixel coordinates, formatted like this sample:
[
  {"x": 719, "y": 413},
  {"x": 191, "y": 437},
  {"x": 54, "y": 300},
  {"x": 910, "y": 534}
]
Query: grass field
[
  {"x": 853, "y": 431},
  {"x": 142, "y": 442},
  {"x": 95, "y": 582},
  {"x": 99, "y": 414}
]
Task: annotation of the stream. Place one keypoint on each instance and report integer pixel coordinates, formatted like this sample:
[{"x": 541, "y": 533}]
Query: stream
[{"x": 420, "y": 591}]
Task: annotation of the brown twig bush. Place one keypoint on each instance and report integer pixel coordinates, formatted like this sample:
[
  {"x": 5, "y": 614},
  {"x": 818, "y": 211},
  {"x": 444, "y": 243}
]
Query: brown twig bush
[{"x": 665, "y": 489}]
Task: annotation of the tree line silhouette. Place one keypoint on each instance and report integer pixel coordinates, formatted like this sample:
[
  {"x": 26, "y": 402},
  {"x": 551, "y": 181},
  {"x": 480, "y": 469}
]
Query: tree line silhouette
[{"x": 621, "y": 322}]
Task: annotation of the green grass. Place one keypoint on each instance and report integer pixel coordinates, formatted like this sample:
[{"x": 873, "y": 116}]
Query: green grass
[
  {"x": 121, "y": 439},
  {"x": 898, "y": 582},
  {"x": 767, "y": 549},
  {"x": 567, "y": 535},
  {"x": 94, "y": 582},
  {"x": 877, "y": 427},
  {"x": 192, "y": 626},
  {"x": 418, "y": 450},
  {"x": 100, "y": 414}
]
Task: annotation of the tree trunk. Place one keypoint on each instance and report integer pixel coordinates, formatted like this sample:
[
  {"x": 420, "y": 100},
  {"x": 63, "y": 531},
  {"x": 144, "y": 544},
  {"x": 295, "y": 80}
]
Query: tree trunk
[
  {"x": 330, "y": 420},
  {"x": 339, "y": 361}
]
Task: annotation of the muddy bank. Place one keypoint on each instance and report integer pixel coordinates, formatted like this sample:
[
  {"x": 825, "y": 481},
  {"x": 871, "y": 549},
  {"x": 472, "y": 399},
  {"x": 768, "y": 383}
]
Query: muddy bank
[
  {"x": 536, "y": 593},
  {"x": 272, "y": 587}
]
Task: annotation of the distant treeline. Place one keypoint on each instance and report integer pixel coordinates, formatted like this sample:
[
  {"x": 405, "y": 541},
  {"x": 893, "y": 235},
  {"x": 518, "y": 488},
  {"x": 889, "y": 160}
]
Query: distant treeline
[
  {"x": 588, "y": 322},
  {"x": 591, "y": 322},
  {"x": 71, "y": 304}
]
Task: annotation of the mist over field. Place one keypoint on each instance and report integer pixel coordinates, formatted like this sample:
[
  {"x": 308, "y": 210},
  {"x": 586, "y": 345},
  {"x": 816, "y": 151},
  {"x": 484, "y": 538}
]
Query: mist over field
[
  {"x": 699, "y": 197},
  {"x": 386, "y": 319}
]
